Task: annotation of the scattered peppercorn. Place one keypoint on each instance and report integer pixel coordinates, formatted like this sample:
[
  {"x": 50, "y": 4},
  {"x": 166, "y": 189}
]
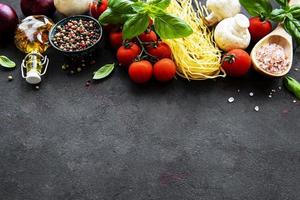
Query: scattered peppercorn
[
  {"x": 88, "y": 83},
  {"x": 64, "y": 66},
  {"x": 10, "y": 78}
]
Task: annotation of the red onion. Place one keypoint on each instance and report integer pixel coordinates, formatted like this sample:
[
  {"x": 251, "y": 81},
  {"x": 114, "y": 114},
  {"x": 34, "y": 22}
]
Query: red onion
[
  {"x": 8, "y": 21},
  {"x": 38, "y": 7}
]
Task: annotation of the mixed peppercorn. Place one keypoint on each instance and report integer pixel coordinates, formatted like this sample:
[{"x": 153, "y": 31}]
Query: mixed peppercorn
[{"x": 76, "y": 35}]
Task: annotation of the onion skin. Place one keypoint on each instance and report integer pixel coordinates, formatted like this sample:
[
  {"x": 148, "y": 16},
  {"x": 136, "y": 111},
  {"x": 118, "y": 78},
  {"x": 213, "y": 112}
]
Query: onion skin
[
  {"x": 38, "y": 7},
  {"x": 8, "y": 22}
]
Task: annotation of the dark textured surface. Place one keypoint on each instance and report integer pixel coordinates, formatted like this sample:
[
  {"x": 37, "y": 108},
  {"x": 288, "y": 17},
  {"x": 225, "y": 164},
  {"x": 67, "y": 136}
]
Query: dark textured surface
[{"x": 118, "y": 141}]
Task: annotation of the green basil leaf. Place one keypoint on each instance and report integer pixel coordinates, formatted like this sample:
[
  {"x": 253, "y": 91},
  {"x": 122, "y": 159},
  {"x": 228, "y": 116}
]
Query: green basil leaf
[
  {"x": 260, "y": 8},
  {"x": 293, "y": 27},
  {"x": 6, "y": 62},
  {"x": 104, "y": 71},
  {"x": 278, "y": 15},
  {"x": 292, "y": 85},
  {"x": 283, "y": 3},
  {"x": 138, "y": 7},
  {"x": 295, "y": 11},
  {"x": 136, "y": 25},
  {"x": 163, "y": 4},
  {"x": 111, "y": 17},
  {"x": 169, "y": 27},
  {"x": 121, "y": 6},
  {"x": 154, "y": 11}
]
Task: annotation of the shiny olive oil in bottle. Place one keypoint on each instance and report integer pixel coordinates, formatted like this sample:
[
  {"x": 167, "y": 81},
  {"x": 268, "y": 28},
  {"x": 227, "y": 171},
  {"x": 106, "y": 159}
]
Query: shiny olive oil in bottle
[{"x": 32, "y": 38}]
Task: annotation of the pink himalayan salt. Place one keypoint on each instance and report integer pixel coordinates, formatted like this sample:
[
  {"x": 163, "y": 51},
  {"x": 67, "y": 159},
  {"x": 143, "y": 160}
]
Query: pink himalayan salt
[{"x": 272, "y": 58}]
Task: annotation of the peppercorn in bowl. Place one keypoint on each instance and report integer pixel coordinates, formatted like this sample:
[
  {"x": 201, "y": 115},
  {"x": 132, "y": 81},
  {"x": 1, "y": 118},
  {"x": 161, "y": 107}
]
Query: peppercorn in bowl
[{"x": 76, "y": 36}]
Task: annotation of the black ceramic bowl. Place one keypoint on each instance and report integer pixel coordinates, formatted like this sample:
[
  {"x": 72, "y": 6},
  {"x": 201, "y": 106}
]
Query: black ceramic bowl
[{"x": 80, "y": 53}]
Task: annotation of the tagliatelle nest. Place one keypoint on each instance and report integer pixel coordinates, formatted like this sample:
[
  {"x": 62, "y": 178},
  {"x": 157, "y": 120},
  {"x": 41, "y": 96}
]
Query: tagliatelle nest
[{"x": 197, "y": 56}]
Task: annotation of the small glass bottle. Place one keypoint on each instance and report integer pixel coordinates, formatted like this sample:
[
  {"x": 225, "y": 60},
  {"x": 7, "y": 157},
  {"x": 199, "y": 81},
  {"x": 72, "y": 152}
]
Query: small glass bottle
[{"x": 32, "y": 38}]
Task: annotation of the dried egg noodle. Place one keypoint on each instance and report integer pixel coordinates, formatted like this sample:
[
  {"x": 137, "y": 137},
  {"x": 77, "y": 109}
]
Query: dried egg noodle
[{"x": 196, "y": 56}]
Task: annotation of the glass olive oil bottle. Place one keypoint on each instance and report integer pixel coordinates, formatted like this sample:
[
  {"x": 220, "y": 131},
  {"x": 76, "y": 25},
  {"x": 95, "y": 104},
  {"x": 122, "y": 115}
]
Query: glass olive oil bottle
[{"x": 32, "y": 38}]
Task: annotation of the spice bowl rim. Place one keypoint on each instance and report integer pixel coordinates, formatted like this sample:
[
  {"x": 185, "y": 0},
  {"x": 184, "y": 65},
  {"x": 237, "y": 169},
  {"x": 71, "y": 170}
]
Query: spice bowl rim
[{"x": 63, "y": 21}]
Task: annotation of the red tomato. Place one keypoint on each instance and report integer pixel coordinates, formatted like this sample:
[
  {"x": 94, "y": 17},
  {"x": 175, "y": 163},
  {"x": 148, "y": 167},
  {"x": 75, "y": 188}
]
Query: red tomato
[
  {"x": 150, "y": 22},
  {"x": 141, "y": 71},
  {"x": 259, "y": 28},
  {"x": 236, "y": 63},
  {"x": 97, "y": 7},
  {"x": 164, "y": 70},
  {"x": 127, "y": 53},
  {"x": 160, "y": 50},
  {"x": 110, "y": 28},
  {"x": 148, "y": 36},
  {"x": 116, "y": 39}
]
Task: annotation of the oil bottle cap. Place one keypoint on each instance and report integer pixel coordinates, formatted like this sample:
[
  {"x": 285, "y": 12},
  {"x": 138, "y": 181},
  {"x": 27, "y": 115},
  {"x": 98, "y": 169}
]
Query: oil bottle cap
[{"x": 33, "y": 77}]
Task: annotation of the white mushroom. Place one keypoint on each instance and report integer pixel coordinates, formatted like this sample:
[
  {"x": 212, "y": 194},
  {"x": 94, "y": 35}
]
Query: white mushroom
[
  {"x": 221, "y": 9},
  {"x": 232, "y": 33}
]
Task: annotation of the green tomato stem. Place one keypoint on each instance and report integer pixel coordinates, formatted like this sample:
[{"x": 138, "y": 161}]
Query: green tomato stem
[{"x": 145, "y": 51}]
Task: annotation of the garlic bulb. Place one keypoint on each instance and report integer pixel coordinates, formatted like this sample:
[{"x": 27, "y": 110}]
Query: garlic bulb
[{"x": 72, "y": 7}]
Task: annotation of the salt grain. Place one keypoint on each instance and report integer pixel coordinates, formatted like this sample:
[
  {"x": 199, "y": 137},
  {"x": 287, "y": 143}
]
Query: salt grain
[
  {"x": 270, "y": 96},
  {"x": 272, "y": 58},
  {"x": 231, "y": 100},
  {"x": 251, "y": 94},
  {"x": 256, "y": 108},
  {"x": 294, "y": 101}
]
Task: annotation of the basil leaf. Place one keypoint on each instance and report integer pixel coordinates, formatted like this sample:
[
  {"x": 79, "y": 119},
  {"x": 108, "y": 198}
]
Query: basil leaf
[
  {"x": 260, "y": 8},
  {"x": 104, "y": 71},
  {"x": 136, "y": 25},
  {"x": 293, "y": 27},
  {"x": 138, "y": 7},
  {"x": 278, "y": 15},
  {"x": 292, "y": 85},
  {"x": 154, "y": 11},
  {"x": 169, "y": 27},
  {"x": 111, "y": 17},
  {"x": 121, "y": 6},
  {"x": 283, "y": 3},
  {"x": 6, "y": 62},
  {"x": 162, "y": 4},
  {"x": 295, "y": 11}
]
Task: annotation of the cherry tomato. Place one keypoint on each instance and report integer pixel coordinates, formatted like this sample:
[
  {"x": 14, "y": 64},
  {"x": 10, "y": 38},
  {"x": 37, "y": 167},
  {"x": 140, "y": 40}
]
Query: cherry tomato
[
  {"x": 259, "y": 28},
  {"x": 97, "y": 7},
  {"x": 111, "y": 28},
  {"x": 148, "y": 36},
  {"x": 236, "y": 63},
  {"x": 160, "y": 50},
  {"x": 141, "y": 71},
  {"x": 127, "y": 53},
  {"x": 116, "y": 39},
  {"x": 164, "y": 70},
  {"x": 150, "y": 22}
]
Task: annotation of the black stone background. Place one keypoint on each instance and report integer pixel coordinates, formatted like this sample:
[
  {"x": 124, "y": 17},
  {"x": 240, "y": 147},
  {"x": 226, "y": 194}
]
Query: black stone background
[{"x": 119, "y": 141}]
